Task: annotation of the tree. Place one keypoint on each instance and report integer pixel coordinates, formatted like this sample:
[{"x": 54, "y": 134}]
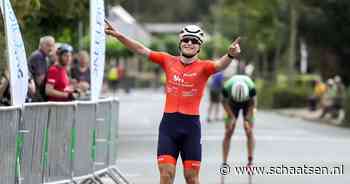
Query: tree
[
  {"x": 294, "y": 7},
  {"x": 325, "y": 26},
  {"x": 259, "y": 24},
  {"x": 22, "y": 9},
  {"x": 172, "y": 11}
]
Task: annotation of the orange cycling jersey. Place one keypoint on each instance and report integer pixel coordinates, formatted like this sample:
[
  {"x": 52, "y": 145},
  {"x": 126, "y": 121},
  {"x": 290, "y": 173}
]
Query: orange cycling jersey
[{"x": 184, "y": 83}]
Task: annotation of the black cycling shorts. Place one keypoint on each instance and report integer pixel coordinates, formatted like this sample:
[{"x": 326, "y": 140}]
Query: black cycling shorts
[
  {"x": 180, "y": 134},
  {"x": 215, "y": 96},
  {"x": 236, "y": 106}
]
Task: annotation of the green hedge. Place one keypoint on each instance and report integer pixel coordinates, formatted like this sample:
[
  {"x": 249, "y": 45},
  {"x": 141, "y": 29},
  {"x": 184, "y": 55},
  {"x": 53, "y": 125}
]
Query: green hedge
[
  {"x": 284, "y": 92},
  {"x": 114, "y": 49},
  {"x": 264, "y": 92},
  {"x": 288, "y": 97}
]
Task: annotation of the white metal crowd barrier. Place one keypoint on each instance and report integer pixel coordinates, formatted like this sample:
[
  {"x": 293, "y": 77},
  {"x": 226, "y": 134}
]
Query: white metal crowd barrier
[{"x": 70, "y": 142}]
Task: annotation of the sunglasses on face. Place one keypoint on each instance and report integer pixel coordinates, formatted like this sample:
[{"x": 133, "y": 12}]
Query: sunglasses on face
[{"x": 193, "y": 40}]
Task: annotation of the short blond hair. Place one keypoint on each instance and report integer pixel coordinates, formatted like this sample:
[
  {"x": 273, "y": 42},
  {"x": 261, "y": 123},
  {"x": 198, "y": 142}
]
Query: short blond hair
[
  {"x": 84, "y": 54},
  {"x": 46, "y": 39}
]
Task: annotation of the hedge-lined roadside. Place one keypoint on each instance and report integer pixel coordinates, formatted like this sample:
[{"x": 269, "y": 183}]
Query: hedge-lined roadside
[{"x": 284, "y": 93}]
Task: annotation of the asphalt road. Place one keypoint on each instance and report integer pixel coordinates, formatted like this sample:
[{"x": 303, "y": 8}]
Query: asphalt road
[{"x": 283, "y": 144}]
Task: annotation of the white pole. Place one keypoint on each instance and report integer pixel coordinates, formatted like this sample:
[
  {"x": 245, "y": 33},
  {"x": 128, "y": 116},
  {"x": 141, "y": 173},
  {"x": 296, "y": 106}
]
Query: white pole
[{"x": 304, "y": 57}]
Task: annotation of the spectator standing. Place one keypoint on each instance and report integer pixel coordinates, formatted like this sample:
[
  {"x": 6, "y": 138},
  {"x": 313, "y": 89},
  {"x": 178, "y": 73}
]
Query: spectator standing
[
  {"x": 215, "y": 88},
  {"x": 5, "y": 94},
  {"x": 58, "y": 86},
  {"x": 340, "y": 93},
  {"x": 328, "y": 100},
  {"x": 38, "y": 63},
  {"x": 81, "y": 73},
  {"x": 319, "y": 90},
  {"x": 113, "y": 78}
]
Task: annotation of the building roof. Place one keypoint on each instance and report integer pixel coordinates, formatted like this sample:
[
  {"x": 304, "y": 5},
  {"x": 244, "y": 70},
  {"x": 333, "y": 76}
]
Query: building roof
[{"x": 126, "y": 24}]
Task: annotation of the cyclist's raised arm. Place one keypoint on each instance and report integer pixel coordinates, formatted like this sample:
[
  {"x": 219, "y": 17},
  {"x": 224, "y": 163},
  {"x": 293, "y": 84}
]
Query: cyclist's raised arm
[
  {"x": 233, "y": 52},
  {"x": 129, "y": 43}
]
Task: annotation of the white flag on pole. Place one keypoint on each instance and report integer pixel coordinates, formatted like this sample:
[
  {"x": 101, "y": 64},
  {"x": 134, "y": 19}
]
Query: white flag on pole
[
  {"x": 17, "y": 60},
  {"x": 97, "y": 46}
]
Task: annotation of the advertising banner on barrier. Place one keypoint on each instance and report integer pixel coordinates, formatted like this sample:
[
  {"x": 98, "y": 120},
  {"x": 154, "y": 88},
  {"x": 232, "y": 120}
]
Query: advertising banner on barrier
[
  {"x": 17, "y": 60},
  {"x": 97, "y": 46}
]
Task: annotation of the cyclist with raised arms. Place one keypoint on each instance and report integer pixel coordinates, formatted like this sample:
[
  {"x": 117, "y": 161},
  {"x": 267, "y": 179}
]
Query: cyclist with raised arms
[
  {"x": 239, "y": 93},
  {"x": 186, "y": 77}
]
